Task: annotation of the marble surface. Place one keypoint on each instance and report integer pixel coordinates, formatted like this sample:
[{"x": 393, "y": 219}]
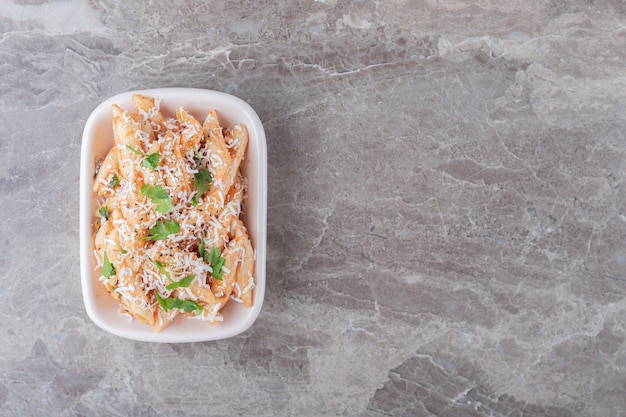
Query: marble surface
[{"x": 447, "y": 212}]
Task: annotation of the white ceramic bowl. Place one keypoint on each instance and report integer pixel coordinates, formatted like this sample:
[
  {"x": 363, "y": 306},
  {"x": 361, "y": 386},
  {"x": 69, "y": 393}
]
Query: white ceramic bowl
[{"x": 98, "y": 139}]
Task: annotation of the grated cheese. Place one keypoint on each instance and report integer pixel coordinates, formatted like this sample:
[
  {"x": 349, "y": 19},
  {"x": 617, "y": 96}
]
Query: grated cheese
[{"x": 137, "y": 279}]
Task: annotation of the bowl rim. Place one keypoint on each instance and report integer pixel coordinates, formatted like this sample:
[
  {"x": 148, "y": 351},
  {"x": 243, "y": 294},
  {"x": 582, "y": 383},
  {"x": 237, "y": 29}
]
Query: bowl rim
[{"x": 214, "y": 99}]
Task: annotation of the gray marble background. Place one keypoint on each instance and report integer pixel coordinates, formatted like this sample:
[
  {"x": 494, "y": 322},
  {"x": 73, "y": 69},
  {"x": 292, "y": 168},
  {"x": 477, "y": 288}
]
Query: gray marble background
[{"x": 447, "y": 211}]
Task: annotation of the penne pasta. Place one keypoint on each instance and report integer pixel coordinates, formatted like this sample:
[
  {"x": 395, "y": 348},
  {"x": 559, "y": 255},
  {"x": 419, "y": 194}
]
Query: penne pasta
[{"x": 168, "y": 238}]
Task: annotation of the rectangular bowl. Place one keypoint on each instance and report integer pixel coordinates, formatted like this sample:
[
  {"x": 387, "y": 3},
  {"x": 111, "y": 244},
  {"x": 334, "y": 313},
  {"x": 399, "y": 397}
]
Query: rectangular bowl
[{"x": 98, "y": 139}]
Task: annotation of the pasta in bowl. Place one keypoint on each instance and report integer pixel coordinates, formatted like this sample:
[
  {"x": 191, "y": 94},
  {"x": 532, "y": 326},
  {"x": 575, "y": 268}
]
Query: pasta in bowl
[{"x": 173, "y": 215}]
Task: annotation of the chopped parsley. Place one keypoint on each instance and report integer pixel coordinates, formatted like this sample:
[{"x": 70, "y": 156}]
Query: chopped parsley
[
  {"x": 183, "y": 283},
  {"x": 161, "y": 230},
  {"x": 202, "y": 252},
  {"x": 114, "y": 181},
  {"x": 108, "y": 270},
  {"x": 104, "y": 212},
  {"x": 201, "y": 179},
  {"x": 217, "y": 262},
  {"x": 159, "y": 197},
  {"x": 185, "y": 305},
  {"x": 162, "y": 269},
  {"x": 213, "y": 257},
  {"x": 124, "y": 252},
  {"x": 151, "y": 161}
]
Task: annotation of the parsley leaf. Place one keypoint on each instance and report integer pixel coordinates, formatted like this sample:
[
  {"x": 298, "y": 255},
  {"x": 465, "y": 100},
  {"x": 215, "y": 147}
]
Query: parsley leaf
[
  {"x": 159, "y": 197},
  {"x": 183, "y": 283},
  {"x": 124, "y": 252},
  {"x": 170, "y": 303},
  {"x": 202, "y": 252},
  {"x": 202, "y": 179},
  {"x": 161, "y": 230},
  {"x": 151, "y": 161},
  {"x": 114, "y": 181},
  {"x": 217, "y": 262},
  {"x": 161, "y": 301},
  {"x": 104, "y": 212},
  {"x": 108, "y": 269},
  {"x": 162, "y": 269}
]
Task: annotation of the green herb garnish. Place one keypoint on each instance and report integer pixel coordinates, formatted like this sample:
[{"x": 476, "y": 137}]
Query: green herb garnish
[
  {"x": 183, "y": 283},
  {"x": 170, "y": 303},
  {"x": 114, "y": 181},
  {"x": 108, "y": 269},
  {"x": 217, "y": 262},
  {"x": 159, "y": 197},
  {"x": 151, "y": 161},
  {"x": 161, "y": 230},
  {"x": 202, "y": 252},
  {"x": 162, "y": 269},
  {"x": 104, "y": 212},
  {"x": 201, "y": 179}
]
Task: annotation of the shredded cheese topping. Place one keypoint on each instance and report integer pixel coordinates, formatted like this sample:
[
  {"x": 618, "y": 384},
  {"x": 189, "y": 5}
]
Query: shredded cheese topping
[{"x": 156, "y": 239}]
